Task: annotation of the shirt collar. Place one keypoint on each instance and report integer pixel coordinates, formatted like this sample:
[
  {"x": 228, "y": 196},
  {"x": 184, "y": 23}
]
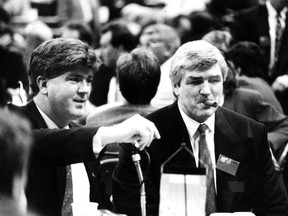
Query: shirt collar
[
  {"x": 48, "y": 121},
  {"x": 193, "y": 125},
  {"x": 272, "y": 12}
]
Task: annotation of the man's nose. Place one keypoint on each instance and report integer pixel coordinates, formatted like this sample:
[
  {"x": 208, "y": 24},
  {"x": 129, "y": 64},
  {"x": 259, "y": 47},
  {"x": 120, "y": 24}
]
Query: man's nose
[
  {"x": 84, "y": 87},
  {"x": 205, "y": 88}
]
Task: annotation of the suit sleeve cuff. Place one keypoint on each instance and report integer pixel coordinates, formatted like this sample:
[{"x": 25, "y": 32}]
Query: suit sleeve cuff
[{"x": 97, "y": 143}]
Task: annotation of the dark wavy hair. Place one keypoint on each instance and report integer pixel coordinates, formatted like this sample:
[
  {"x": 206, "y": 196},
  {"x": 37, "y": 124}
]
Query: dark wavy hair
[
  {"x": 58, "y": 56},
  {"x": 250, "y": 58},
  {"x": 139, "y": 75}
]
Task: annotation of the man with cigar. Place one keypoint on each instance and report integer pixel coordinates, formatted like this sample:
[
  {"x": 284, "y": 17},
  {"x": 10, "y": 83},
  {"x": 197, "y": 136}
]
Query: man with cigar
[{"x": 214, "y": 135}]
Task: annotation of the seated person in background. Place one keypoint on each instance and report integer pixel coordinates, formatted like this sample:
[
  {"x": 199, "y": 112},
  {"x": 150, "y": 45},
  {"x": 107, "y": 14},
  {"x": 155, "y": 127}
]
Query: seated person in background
[
  {"x": 163, "y": 41},
  {"x": 198, "y": 71},
  {"x": 60, "y": 75},
  {"x": 251, "y": 103},
  {"x": 115, "y": 39},
  {"x": 138, "y": 74},
  {"x": 249, "y": 61},
  {"x": 15, "y": 144}
]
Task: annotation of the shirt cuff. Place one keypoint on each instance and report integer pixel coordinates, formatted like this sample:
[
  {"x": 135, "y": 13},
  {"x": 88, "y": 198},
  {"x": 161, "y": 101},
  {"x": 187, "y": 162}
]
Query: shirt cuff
[
  {"x": 97, "y": 143},
  {"x": 283, "y": 80}
]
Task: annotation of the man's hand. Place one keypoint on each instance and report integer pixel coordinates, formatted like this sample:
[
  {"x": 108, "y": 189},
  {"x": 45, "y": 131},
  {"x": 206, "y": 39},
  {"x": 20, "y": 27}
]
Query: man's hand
[
  {"x": 280, "y": 84},
  {"x": 133, "y": 129},
  {"x": 5, "y": 41}
]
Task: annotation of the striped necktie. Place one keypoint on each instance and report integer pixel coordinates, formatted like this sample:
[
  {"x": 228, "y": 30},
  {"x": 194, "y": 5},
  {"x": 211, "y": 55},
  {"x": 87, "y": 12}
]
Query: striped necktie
[
  {"x": 68, "y": 195},
  {"x": 279, "y": 31},
  {"x": 205, "y": 158}
]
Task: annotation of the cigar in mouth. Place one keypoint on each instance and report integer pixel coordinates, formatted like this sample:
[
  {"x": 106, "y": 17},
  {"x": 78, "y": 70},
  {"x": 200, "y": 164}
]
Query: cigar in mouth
[{"x": 210, "y": 103}]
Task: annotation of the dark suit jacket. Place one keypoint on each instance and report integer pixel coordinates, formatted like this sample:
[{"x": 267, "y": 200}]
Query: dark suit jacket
[
  {"x": 52, "y": 151},
  {"x": 250, "y": 103},
  {"x": 262, "y": 87},
  {"x": 236, "y": 137}
]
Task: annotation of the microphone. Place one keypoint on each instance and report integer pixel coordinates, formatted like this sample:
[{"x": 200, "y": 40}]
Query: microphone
[
  {"x": 210, "y": 103},
  {"x": 136, "y": 159}
]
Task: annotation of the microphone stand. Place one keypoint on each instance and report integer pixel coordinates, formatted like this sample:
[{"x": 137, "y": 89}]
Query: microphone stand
[
  {"x": 282, "y": 159},
  {"x": 136, "y": 159}
]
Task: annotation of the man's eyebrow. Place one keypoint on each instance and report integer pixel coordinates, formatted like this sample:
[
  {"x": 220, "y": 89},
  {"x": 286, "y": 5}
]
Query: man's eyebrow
[
  {"x": 194, "y": 78},
  {"x": 215, "y": 76},
  {"x": 79, "y": 74}
]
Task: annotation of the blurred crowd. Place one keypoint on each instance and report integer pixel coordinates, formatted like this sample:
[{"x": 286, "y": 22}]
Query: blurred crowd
[
  {"x": 113, "y": 27},
  {"x": 251, "y": 34}
]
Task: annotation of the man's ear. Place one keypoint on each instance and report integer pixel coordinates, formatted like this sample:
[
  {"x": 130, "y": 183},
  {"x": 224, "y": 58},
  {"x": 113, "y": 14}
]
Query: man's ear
[
  {"x": 42, "y": 84},
  {"x": 176, "y": 90},
  {"x": 167, "y": 51}
]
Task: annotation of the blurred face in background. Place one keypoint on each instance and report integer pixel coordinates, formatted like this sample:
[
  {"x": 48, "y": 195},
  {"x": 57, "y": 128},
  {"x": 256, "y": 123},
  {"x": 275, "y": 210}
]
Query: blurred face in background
[
  {"x": 154, "y": 40},
  {"x": 109, "y": 53},
  {"x": 70, "y": 33}
]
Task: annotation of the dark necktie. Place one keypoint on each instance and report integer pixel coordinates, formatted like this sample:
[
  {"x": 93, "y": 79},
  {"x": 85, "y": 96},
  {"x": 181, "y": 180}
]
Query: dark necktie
[
  {"x": 68, "y": 195},
  {"x": 205, "y": 157}
]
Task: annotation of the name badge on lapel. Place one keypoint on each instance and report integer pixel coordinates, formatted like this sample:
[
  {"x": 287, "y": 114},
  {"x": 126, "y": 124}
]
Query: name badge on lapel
[{"x": 227, "y": 165}]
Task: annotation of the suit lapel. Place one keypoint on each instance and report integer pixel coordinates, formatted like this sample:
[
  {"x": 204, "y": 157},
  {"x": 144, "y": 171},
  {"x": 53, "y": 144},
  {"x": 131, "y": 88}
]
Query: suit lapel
[
  {"x": 31, "y": 108},
  {"x": 179, "y": 131},
  {"x": 226, "y": 140},
  {"x": 178, "y": 125},
  {"x": 225, "y": 137}
]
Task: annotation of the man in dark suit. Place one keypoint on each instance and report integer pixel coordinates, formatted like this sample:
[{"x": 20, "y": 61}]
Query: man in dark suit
[
  {"x": 197, "y": 73},
  {"x": 60, "y": 75},
  {"x": 258, "y": 24}
]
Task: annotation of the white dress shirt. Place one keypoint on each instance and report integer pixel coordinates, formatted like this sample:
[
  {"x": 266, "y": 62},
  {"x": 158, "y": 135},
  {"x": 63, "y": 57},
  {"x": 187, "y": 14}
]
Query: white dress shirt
[{"x": 192, "y": 127}]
